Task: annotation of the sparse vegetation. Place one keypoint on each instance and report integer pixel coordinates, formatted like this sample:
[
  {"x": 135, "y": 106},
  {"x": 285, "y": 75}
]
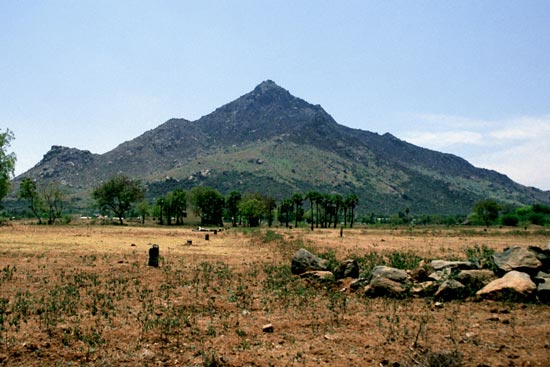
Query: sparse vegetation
[{"x": 90, "y": 299}]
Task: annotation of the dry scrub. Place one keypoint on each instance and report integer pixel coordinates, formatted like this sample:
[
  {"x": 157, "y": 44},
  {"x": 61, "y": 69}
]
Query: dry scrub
[{"x": 84, "y": 295}]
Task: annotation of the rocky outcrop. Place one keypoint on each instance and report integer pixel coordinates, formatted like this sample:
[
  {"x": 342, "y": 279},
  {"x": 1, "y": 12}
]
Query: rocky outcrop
[{"x": 447, "y": 280}]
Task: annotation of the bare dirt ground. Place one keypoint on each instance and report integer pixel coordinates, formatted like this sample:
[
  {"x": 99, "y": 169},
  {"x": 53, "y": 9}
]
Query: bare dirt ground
[{"x": 84, "y": 295}]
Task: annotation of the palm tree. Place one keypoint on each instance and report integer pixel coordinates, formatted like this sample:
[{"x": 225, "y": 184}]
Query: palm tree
[
  {"x": 312, "y": 197},
  {"x": 338, "y": 202},
  {"x": 297, "y": 199},
  {"x": 351, "y": 202}
]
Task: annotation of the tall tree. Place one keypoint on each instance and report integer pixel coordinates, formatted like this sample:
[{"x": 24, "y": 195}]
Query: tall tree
[
  {"x": 297, "y": 200},
  {"x": 179, "y": 202},
  {"x": 351, "y": 203},
  {"x": 285, "y": 208},
  {"x": 252, "y": 208},
  {"x": 118, "y": 194},
  {"x": 270, "y": 206},
  {"x": 208, "y": 204},
  {"x": 143, "y": 210},
  {"x": 312, "y": 197},
  {"x": 232, "y": 206},
  {"x": 7, "y": 162},
  {"x": 28, "y": 191},
  {"x": 338, "y": 202},
  {"x": 53, "y": 199},
  {"x": 160, "y": 206},
  {"x": 487, "y": 210}
]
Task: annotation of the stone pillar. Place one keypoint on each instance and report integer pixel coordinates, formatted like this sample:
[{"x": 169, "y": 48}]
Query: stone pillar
[{"x": 154, "y": 256}]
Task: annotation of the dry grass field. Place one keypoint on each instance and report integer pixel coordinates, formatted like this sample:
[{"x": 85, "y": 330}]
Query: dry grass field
[{"x": 84, "y": 295}]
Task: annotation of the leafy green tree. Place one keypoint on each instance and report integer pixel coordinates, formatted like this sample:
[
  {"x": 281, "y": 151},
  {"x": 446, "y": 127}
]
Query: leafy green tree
[
  {"x": 7, "y": 162},
  {"x": 232, "y": 206},
  {"x": 487, "y": 211},
  {"x": 118, "y": 194},
  {"x": 143, "y": 210},
  {"x": 28, "y": 191},
  {"x": 270, "y": 206},
  {"x": 207, "y": 204},
  {"x": 53, "y": 198},
  {"x": 252, "y": 207}
]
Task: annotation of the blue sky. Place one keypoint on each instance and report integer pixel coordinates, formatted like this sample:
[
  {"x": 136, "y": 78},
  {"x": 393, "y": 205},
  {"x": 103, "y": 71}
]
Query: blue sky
[{"x": 470, "y": 78}]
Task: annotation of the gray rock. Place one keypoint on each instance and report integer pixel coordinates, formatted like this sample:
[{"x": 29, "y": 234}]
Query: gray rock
[
  {"x": 347, "y": 269},
  {"x": 519, "y": 259},
  {"x": 475, "y": 279},
  {"x": 541, "y": 277},
  {"x": 381, "y": 286},
  {"x": 543, "y": 291},
  {"x": 396, "y": 275},
  {"x": 451, "y": 289},
  {"x": 303, "y": 261},
  {"x": 458, "y": 265},
  {"x": 514, "y": 286}
]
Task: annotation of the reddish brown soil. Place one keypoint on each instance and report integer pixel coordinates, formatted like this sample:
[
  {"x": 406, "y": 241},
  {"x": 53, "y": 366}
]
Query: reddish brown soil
[{"x": 84, "y": 295}]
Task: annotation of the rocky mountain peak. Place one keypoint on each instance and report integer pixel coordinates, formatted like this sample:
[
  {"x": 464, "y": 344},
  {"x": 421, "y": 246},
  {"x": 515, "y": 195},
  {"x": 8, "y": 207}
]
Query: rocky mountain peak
[{"x": 62, "y": 153}]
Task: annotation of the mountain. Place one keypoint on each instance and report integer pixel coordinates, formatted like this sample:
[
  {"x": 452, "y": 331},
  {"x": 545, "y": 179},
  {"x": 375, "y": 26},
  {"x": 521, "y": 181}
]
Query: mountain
[{"x": 270, "y": 141}]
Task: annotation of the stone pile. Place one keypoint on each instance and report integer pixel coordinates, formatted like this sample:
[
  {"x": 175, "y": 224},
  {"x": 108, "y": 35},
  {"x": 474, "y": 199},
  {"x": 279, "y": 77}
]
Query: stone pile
[{"x": 517, "y": 274}]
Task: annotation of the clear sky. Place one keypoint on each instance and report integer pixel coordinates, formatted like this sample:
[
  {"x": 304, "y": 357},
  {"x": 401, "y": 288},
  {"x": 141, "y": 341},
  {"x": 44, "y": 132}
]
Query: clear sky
[{"x": 470, "y": 78}]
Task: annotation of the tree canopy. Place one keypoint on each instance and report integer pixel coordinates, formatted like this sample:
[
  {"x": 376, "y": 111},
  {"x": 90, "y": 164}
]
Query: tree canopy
[
  {"x": 118, "y": 194},
  {"x": 207, "y": 203},
  {"x": 487, "y": 210},
  {"x": 7, "y": 162}
]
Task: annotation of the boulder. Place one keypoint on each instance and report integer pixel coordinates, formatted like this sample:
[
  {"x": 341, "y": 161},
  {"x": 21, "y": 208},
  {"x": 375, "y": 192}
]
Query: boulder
[
  {"x": 475, "y": 279},
  {"x": 453, "y": 265},
  {"x": 347, "y": 269},
  {"x": 519, "y": 259},
  {"x": 394, "y": 274},
  {"x": 451, "y": 289},
  {"x": 513, "y": 286},
  {"x": 303, "y": 261},
  {"x": 380, "y": 286}
]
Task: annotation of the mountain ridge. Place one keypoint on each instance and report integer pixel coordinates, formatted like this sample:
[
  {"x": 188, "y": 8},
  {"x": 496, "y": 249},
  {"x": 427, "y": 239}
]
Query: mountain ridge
[{"x": 269, "y": 139}]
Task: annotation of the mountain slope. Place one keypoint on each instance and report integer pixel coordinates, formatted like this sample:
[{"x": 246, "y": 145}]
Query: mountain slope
[{"x": 270, "y": 141}]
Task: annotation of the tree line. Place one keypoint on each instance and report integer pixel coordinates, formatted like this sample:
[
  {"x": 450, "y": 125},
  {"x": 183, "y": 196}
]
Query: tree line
[{"x": 121, "y": 195}]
